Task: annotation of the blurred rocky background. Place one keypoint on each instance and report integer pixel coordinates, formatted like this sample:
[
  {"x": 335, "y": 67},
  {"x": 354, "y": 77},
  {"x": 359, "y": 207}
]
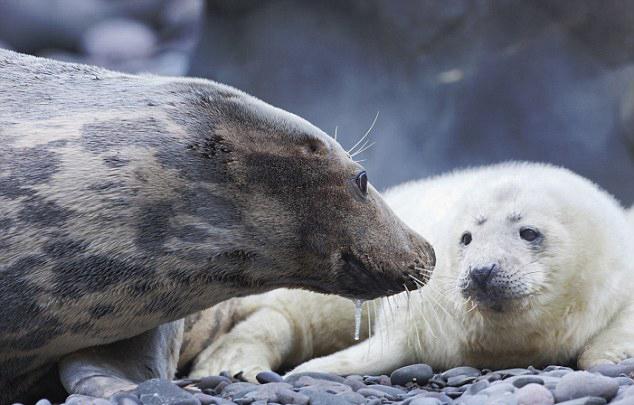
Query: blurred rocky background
[{"x": 456, "y": 83}]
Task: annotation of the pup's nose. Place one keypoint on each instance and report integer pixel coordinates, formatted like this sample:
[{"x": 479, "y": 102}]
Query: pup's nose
[{"x": 482, "y": 275}]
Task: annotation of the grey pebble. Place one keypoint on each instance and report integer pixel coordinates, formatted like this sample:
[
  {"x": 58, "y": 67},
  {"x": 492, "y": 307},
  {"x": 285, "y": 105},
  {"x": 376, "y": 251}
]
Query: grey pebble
[
  {"x": 352, "y": 397},
  {"x": 523, "y": 380},
  {"x": 310, "y": 384},
  {"x": 377, "y": 380},
  {"x": 212, "y": 382},
  {"x": 264, "y": 377},
  {"x": 498, "y": 389},
  {"x": 624, "y": 380},
  {"x": 534, "y": 394},
  {"x": 43, "y": 401},
  {"x": 125, "y": 399},
  {"x": 514, "y": 371},
  {"x": 624, "y": 401},
  {"x": 580, "y": 384},
  {"x": 473, "y": 400},
  {"x": 324, "y": 398},
  {"x": 461, "y": 371},
  {"x": 628, "y": 361},
  {"x": 459, "y": 380},
  {"x": 613, "y": 370},
  {"x": 585, "y": 401},
  {"x": 205, "y": 399},
  {"x": 293, "y": 378},
  {"x": 287, "y": 396},
  {"x": 77, "y": 399},
  {"x": 238, "y": 389},
  {"x": 478, "y": 386},
  {"x": 415, "y": 373},
  {"x": 426, "y": 401}
]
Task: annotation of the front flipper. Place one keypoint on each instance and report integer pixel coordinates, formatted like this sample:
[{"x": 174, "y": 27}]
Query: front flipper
[{"x": 105, "y": 370}]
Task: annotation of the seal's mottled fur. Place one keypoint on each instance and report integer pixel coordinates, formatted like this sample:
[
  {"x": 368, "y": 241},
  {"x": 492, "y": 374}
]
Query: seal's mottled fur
[{"x": 127, "y": 202}]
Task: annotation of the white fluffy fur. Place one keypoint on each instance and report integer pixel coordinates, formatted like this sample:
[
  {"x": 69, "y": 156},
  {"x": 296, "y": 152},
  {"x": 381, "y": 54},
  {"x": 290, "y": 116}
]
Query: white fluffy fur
[{"x": 578, "y": 284}]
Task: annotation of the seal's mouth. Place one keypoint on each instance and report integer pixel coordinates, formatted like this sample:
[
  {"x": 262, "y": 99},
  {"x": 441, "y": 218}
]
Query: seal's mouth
[{"x": 357, "y": 279}]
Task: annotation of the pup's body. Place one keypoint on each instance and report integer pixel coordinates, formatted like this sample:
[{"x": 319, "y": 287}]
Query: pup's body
[
  {"x": 535, "y": 267},
  {"x": 128, "y": 202}
]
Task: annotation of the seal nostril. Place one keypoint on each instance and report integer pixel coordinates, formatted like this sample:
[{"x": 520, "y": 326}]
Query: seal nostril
[{"x": 481, "y": 275}]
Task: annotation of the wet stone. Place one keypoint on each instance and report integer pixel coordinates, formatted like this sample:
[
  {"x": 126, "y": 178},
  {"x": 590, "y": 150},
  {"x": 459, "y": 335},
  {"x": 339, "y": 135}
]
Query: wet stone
[
  {"x": 534, "y": 394},
  {"x": 163, "y": 392},
  {"x": 352, "y": 397},
  {"x": 292, "y": 379},
  {"x": 238, "y": 390},
  {"x": 378, "y": 380},
  {"x": 521, "y": 381},
  {"x": 212, "y": 382},
  {"x": 581, "y": 384},
  {"x": 585, "y": 401},
  {"x": 125, "y": 399},
  {"x": 426, "y": 401},
  {"x": 264, "y": 377},
  {"x": 324, "y": 398},
  {"x": 461, "y": 371},
  {"x": 460, "y": 380},
  {"x": 43, "y": 402},
  {"x": 416, "y": 373},
  {"x": 613, "y": 370},
  {"x": 478, "y": 386}
]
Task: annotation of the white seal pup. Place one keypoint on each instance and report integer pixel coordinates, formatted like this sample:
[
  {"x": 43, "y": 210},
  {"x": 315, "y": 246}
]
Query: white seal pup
[
  {"x": 129, "y": 202},
  {"x": 535, "y": 266}
]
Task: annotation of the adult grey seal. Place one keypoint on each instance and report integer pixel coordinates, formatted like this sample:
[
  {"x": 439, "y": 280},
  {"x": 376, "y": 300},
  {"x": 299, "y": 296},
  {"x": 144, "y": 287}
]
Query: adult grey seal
[{"x": 128, "y": 202}]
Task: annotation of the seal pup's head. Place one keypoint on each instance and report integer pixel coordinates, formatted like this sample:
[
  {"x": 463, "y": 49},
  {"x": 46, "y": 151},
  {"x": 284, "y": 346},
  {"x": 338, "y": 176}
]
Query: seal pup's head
[
  {"x": 302, "y": 212},
  {"x": 531, "y": 236}
]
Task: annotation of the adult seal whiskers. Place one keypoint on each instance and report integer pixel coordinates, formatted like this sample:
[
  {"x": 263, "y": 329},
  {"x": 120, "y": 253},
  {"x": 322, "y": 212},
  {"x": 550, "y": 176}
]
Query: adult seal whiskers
[{"x": 128, "y": 202}]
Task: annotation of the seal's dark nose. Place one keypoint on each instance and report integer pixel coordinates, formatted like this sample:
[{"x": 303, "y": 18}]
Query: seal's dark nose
[{"x": 482, "y": 275}]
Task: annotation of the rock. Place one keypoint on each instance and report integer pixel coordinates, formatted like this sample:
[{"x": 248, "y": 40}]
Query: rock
[
  {"x": 324, "y": 398},
  {"x": 580, "y": 384},
  {"x": 212, "y": 382},
  {"x": 613, "y": 370},
  {"x": 521, "y": 381},
  {"x": 478, "y": 386},
  {"x": 163, "y": 392},
  {"x": 293, "y": 378},
  {"x": 461, "y": 371},
  {"x": 352, "y": 397},
  {"x": 426, "y": 401},
  {"x": 474, "y": 399},
  {"x": 534, "y": 394},
  {"x": 76, "y": 399},
  {"x": 238, "y": 389},
  {"x": 264, "y": 377},
  {"x": 498, "y": 388},
  {"x": 415, "y": 373},
  {"x": 585, "y": 401},
  {"x": 125, "y": 399},
  {"x": 41, "y": 401},
  {"x": 286, "y": 396},
  {"x": 205, "y": 399},
  {"x": 623, "y": 401}
]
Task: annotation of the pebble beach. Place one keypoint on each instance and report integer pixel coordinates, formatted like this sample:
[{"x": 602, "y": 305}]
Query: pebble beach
[{"x": 416, "y": 384}]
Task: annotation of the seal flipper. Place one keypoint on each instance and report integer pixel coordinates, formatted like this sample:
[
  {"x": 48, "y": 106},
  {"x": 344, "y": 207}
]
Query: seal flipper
[{"x": 102, "y": 371}]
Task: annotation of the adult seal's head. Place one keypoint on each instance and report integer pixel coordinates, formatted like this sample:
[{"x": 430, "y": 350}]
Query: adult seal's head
[{"x": 301, "y": 212}]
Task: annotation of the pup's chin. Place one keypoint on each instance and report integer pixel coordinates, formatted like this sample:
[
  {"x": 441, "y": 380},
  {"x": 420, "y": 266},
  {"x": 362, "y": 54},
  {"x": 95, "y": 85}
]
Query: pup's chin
[{"x": 500, "y": 306}]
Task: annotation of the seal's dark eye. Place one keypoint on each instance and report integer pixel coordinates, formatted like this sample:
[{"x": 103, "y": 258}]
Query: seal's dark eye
[
  {"x": 529, "y": 234},
  {"x": 362, "y": 182},
  {"x": 465, "y": 239}
]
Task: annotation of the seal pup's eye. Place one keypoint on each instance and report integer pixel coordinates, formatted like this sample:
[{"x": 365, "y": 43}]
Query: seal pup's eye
[
  {"x": 465, "y": 239},
  {"x": 362, "y": 182},
  {"x": 529, "y": 234}
]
